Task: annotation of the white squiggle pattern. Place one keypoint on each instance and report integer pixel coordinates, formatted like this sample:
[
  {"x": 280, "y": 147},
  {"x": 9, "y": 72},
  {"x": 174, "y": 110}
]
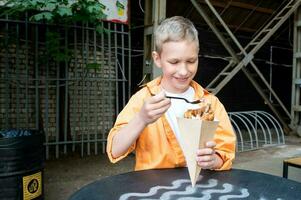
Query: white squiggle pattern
[
  {"x": 211, "y": 183},
  {"x": 227, "y": 188},
  {"x": 175, "y": 184},
  {"x": 207, "y": 193},
  {"x": 244, "y": 194},
  {"x": 263, "y": 198},
  {"x": 189, "y": 190},
  {"x": 168, "y": 195}
]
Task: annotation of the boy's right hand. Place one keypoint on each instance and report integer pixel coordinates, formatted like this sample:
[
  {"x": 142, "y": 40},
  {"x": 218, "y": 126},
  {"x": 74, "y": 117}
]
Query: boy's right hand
[{"x": 154, "y": 107}]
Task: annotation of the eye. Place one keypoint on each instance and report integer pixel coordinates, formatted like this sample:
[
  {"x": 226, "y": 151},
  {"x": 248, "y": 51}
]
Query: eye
[
  {"x": 173, "y": 62},
  {"x": 191, "y": 61}
]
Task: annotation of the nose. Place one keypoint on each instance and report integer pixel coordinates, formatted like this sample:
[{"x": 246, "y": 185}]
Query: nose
[{"x": 182, "y": 70}]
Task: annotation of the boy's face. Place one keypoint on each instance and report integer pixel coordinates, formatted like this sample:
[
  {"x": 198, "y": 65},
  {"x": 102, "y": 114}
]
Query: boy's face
[{"x": 179, "y": 64}]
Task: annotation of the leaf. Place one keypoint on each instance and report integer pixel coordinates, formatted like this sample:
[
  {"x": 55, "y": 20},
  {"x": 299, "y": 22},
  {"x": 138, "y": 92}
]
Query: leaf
[
  {"x": 64, "y": 11},
  {"x": 93, "y": 66},
  {"x": 44, "y": 15},
  {"x": 50, "y": 6},
  {"x": 87, "y": 11},
  {"x": 33, "y": 3},
  {"x": 102, "y": 7},
  {"x": 100, "y": 29}
]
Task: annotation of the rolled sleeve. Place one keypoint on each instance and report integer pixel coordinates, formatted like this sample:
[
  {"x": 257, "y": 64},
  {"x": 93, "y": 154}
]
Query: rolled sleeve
[
  {"x": 225, "y": 148},
  {"x": 225, "y": 137},
  {"x": 124, "y": 117},
  {"x": 227, "y": 160},
  {"x": 111, "y": 135}
]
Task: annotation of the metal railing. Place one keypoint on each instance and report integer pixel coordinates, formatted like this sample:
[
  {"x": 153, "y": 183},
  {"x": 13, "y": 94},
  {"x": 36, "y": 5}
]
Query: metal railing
[{"x": 74, "y": 100}]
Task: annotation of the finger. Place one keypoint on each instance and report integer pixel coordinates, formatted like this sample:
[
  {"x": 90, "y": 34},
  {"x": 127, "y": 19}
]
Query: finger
[
  {"x": 158, "y": 97},
  {"x": 205, "y": 151},
  {"x": 206, "y": 162},
  {"x": 159, "y": 105},
  {"x": 159, "y": 111},
  {"x": 210, "y": 144},
  {"x": 204, "y": 158},
  {"x": 206, "y": 165}
]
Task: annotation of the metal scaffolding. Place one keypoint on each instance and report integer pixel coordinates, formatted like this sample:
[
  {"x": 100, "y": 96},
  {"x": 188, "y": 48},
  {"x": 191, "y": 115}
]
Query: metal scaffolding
[
  {"x": 296, "y": 81},
  {"x": 241, "y": 60}
]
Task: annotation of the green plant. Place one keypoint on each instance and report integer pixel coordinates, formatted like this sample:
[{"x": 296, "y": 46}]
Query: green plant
[
  {"x": 62, "y": 12},
  {"x": 55, "y": 49}
]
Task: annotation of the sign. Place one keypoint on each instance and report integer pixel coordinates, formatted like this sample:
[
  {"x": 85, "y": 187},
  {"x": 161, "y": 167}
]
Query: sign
[
  {"x": 32, "y": 186},
  {"x": 115, "y": 10}
]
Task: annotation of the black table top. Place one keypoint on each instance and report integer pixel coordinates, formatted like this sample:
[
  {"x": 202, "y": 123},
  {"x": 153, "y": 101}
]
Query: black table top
[{"x": 172, "y": 184}]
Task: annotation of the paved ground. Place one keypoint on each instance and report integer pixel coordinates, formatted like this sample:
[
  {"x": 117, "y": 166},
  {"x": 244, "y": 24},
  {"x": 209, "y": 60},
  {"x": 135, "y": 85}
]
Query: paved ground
[
  {"x": 270, "y": 160},
  {"x": 66, "y": 175}
]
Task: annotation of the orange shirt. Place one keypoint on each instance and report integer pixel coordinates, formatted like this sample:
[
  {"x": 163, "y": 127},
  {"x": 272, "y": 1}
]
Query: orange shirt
[{"x": 157, "y": 145}]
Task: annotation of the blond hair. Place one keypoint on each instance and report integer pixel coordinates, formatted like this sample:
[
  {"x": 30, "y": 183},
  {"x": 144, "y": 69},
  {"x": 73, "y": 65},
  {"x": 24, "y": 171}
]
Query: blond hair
[{"x": 175, "y": 29}]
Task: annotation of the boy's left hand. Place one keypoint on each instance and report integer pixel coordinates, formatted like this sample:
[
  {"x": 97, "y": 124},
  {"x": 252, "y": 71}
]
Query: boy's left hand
[{"x": 207, "y": 158}]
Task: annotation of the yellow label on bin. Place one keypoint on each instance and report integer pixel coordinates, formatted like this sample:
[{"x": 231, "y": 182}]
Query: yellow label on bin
[{"x": 32, "y": 186}]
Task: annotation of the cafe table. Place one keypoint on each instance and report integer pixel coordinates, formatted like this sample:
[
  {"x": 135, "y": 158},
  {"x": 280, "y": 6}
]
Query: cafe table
[{"x": 174, "y": 184}]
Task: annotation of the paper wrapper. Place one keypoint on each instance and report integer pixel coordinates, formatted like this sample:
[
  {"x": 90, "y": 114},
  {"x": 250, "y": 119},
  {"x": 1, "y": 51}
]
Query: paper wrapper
[{"x": 194, "y": 134}]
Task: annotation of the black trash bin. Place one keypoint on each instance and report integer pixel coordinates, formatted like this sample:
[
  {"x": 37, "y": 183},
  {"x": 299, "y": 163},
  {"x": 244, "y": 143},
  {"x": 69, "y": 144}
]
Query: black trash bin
[{"x": 21, "y": 164}]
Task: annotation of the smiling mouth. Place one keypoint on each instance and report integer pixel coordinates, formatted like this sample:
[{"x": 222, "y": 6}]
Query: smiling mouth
[{"x": 182, "y": 79}]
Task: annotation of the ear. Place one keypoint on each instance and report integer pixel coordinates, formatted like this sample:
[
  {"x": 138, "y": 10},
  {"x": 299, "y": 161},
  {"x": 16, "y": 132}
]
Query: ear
[{"x": 156, "y": 58}]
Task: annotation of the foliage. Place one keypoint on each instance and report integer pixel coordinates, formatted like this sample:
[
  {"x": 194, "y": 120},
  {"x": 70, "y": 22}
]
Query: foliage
[
  {"x": 66, "y": 12},
  {"x": 57, "y": 51},
  {"x": 58, "y": 11}
]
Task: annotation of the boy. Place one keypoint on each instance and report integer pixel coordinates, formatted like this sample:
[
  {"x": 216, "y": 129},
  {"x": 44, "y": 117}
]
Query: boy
[{"x": 147, "y": 124}]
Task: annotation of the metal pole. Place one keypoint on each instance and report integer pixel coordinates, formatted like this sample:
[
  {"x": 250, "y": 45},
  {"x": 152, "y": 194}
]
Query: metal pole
[
  {"x": 109, "y": 118},
  {"x": 76, "y": 90},
  {"x": 18, "y": 113},
  {"x": 7, "y": 99},
  {"x": 47, "y": 100},
  {"x": 88, "y": 91},
  {"x": 26, "y": 72},
  {"x": 66, "y": 93},
  {"x": 116, "y": 70},
  {"x": 123, "y": 66},
  {"x": 103, "y": 83},
  {"x": 129, "y": 66},
  {"x": 95, "y": 95},
  {"x": 37, "y": 102},
  {"x": 82, "y": 92}
]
